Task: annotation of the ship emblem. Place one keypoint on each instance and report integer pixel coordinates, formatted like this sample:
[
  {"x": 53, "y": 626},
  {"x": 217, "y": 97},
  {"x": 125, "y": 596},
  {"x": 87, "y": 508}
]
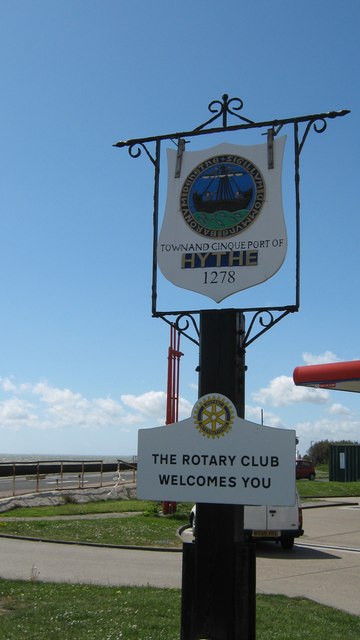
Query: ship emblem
[{"x": 222, "y": 196}]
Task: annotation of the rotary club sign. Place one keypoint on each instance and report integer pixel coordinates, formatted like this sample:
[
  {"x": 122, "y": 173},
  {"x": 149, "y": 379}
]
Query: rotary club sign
[{"x": 215, "y": 456}]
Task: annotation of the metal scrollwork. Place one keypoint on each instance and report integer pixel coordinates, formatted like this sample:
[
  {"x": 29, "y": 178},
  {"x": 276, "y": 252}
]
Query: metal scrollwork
[
  {"x": 135, "y": 151},
  {"x": 223, "y": 109},
  {"x": 235, "y": 108},
  {"x": 266, "y": 323},
  {"x": 319, "y": 126},
  {"x": 266, "y": 320},
  {"x": 182, "y": 324}
]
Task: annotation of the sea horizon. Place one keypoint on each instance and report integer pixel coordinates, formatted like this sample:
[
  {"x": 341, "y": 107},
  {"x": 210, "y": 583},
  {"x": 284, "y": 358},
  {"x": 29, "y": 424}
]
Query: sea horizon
[{"x": 40, "y": 457}]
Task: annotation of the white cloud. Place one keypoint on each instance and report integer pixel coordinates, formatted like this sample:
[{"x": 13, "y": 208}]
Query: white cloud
[
  {"x": 151, "y": 403},
  {"x": 58, "y": 397},
  {"x": 16, "y": 412},
  {"x": 321, "y": 358},
  {"x": 339, "y": 409},
  {"x": 43, "y": 406},
  {"x": 7, "y": 384},
  {"x": 185, "y": 408},
  {"x": 282, "y": 391},
  {"x": 254, "y": 414},
  {"x": 326, "y": 429}
]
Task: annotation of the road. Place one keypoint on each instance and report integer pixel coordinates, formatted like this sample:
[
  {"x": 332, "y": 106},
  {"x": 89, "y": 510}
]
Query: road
[{"x": 324, "y": 564}]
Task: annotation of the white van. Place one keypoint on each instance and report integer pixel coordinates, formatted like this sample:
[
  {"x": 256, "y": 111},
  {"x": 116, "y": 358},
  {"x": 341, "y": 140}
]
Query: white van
[{"x": 282, "y": 524}]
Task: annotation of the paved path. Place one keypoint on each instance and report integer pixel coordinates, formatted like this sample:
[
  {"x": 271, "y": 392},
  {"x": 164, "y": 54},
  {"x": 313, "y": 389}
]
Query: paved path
[
  {"x": 20, "y": 559},
  {"x": 325, "y": 563}
]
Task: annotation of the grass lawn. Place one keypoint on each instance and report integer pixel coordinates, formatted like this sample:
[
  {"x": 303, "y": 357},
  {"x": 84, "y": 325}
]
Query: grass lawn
[
  {"x": 138, "y": 530},
  {"x": 72, "y": 508},
  {"x": 31, "y": 609},
  {"x": 145, "y": 528},
  {"x": 77, "y": 612},
  {"x": 324, "y": 489}
]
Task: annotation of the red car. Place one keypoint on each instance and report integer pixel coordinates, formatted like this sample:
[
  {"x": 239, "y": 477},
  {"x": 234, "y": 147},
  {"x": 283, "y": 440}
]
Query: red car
[{"x": 305, "y": 469}]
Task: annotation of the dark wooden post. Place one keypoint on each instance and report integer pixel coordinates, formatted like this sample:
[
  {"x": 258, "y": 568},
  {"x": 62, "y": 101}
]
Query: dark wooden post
[{"x": 218, "y": 585}]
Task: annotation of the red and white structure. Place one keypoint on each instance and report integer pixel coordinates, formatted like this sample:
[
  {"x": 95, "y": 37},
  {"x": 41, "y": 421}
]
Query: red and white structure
[{"x": 341, "y": 376}]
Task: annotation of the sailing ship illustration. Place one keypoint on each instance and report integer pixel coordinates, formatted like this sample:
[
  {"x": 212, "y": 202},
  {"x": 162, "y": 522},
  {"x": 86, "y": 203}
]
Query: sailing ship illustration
[{"x": 222, "y": 192}]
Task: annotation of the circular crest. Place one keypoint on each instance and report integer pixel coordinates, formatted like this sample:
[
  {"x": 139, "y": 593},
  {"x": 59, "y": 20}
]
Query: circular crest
[
  {"x": 222, "y": 196},
  {"x": 214, "y": 415}
]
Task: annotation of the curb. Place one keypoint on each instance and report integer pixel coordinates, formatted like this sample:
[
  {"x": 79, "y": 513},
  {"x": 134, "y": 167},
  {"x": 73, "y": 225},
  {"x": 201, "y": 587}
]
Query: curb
[
  {"x": 322, "y": 505},
  {"x": 93, "y": 544}
]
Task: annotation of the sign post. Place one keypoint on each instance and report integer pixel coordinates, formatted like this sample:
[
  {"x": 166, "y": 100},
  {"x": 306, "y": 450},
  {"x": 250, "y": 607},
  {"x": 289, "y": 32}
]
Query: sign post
[
  {"x": 223, "y": 231},
  {"x": 219, "y": 571},
  {"x": 220, "y": 461}
]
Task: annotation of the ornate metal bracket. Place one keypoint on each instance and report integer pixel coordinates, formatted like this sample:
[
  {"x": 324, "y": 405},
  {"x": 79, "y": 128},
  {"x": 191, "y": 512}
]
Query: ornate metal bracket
[
  {"x": 184, "y": 322},
  {"x": 266, "y": 320},
  {"x": 135, "y": 151},
  {"x": 318, "y": 128},
  {"x": 223, "y": 109}
]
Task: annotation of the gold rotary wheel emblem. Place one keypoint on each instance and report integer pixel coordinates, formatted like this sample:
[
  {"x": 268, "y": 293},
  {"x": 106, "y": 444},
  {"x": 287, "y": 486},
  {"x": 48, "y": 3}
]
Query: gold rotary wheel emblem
[{"x": 213, "y": 416}]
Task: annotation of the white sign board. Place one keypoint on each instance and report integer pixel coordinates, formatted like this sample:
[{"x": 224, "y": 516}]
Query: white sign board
[
  {"x": 224, "y": 228},
  {"x": 214, "y": 456}
]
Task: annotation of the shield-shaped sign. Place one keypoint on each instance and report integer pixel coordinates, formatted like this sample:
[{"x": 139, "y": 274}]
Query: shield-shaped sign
[{"x": 224, "y": 228}]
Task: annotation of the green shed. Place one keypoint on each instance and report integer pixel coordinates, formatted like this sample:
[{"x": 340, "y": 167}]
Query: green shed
[{"x": 344, "y": 462}]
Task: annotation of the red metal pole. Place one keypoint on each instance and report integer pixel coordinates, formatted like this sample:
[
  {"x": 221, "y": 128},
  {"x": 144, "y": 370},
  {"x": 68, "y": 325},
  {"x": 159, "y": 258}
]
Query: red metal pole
[{"x": 172, "y": 396}]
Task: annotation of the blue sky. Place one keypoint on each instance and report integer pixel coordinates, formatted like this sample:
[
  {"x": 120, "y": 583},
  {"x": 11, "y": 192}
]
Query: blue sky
[{"x": 82, "y": 362}]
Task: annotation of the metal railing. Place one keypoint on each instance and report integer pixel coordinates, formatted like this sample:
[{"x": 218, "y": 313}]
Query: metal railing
[{"x": 21, "y": 477}]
